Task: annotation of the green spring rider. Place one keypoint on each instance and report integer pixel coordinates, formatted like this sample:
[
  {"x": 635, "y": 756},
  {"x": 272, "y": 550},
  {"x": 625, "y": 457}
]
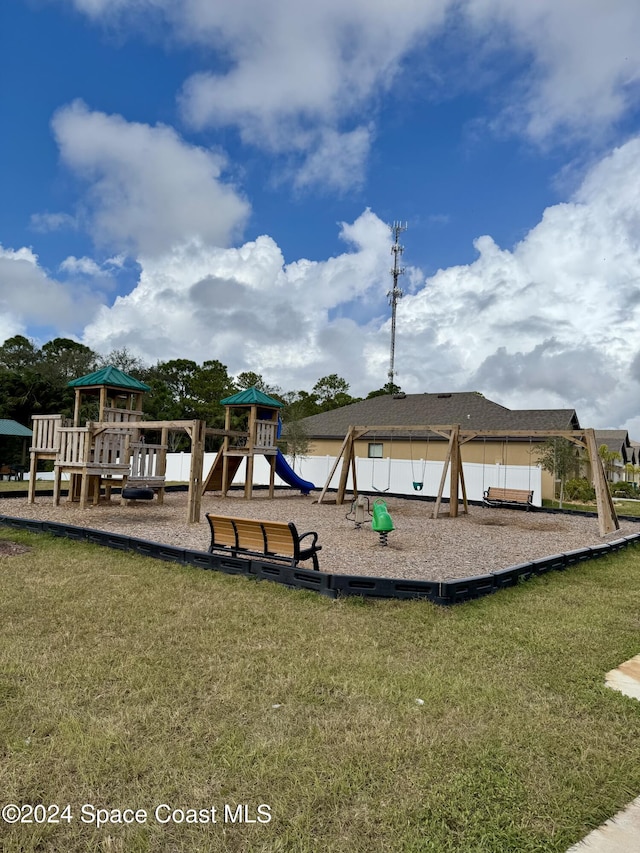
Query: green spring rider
[{"x": 381, "y": 521}]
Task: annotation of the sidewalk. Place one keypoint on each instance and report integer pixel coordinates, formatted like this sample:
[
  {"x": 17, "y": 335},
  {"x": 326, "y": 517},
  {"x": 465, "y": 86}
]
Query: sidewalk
[{"x": 621, "y": 834}]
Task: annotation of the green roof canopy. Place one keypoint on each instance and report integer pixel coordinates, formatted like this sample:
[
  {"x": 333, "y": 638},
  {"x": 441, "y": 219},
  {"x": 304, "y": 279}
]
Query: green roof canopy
[
  {"x": 8, "y": 427},
  {"x": 251, "y": 397},
  {"x": 110, "y": 376}
]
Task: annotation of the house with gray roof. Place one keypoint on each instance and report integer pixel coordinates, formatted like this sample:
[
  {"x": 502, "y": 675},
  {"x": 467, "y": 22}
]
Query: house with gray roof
[
  {"x": 619, "y": 452},
  {"x": 471, "y": 410}
]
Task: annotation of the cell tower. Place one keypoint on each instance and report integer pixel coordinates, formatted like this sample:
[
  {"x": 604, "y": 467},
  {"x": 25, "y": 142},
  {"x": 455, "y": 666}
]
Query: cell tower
[{"x": 395, "y": 293}]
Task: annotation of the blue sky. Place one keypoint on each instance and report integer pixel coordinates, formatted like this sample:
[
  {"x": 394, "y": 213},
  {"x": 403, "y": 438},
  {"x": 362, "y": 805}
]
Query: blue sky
[{"x": 201, "y": 180}]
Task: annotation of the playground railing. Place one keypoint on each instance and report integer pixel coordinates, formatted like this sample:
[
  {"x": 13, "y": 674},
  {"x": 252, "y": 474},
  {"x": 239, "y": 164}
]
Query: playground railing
[
  {"x": 148, "y": 462},
  {"x": 121, "y": 415},
  {"x": 46, "y": 433},
  {"x": 265, "y": 434}
]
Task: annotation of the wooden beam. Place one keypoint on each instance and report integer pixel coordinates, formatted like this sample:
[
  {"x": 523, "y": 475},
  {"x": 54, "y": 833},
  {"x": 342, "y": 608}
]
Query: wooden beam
[
  {"x": 194, "y": 497},
  {"x": 354, "y": 476},
  {"x": 443, "y": 478},
  {"x": 571, "y": 434},
  {"x": 173, "y": 426},
  {"x": 441, "y": 429},
  {"x": 76, "y": 407},
  {"x": 607, "y": 517},
  {"x": 225, "y": 452},
  {"x": 251, "y": 443},
  {"x": 344, "y": 474},
  {"x": 161, "y": 464},
  {"x": 102, "y": 404},
  {"x": 577, "y": 436},
  {"x": 272, "y": 475},
  {"x": 33, "y": 467},
  {"x": 336, "y": 463},
  {"x": 463, "y": 488},
  {"x": 454, "y": 479}
]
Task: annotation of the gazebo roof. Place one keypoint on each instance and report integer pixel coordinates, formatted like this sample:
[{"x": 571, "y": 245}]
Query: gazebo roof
[
  {"x": 251, "y": 397},
  {"x": 9, "y": 427},
  {"x": 110, "y": 376}
]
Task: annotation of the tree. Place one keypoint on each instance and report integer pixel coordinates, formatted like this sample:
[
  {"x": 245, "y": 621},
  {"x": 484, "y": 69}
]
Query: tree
[
  {"x": 249, "y": 379},
  {"x": 296, "y": 441},
  {"x": 178, "y": 375},
  {"x": 389, "y": 388},
  {"x": 25, "y": 389},
  {"x": 561, "y": 458},
  {"x": 64, "y": 360},
  {"x": 299, "y": 404},
  {"x": 609, "y": 458},
  {"x": 631, "y": 472},
  {"x": 18, "y": 353},
  {"x": 183, "y": 390},
  {"x": 124, "y": 360},
  {"x": 332, "y": 392},
  {"x": 210, "y": 385}
]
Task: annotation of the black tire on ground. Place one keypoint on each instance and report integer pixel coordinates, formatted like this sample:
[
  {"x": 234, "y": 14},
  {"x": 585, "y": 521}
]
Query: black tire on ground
[{"x": 137, "y": 494}]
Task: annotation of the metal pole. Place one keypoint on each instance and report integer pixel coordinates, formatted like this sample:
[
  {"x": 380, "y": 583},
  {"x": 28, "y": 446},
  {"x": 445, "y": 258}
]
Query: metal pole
[{"x": 395, "y": 294}]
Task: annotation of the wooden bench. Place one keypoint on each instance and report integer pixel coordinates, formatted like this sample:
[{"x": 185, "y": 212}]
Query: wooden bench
[
  {"x": 495, "y": 496},
  {"x": 275, "y": 540}
]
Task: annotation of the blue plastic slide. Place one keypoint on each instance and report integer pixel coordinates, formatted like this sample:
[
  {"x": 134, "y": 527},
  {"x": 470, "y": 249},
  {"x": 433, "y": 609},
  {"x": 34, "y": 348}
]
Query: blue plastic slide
[{"x": 286, "y": 473}]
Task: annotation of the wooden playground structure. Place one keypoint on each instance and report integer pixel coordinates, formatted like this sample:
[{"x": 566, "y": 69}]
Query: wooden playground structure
[
  {"x": 112, "y": 450},
  {"x": 259, "y": 438},
  {"x": 457, "y": 437}
]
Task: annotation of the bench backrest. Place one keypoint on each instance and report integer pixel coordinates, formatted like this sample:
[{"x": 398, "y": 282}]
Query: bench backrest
[
  {"x": 275, "y": 537},
  {"x": 281, "y": 538},
  {"x": 223, "y": 531}
]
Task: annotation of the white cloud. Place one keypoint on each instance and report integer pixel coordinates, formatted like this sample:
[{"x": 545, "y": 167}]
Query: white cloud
[
  {"x": 29, "y": 296},
  {"x": 338, "y": 161},
  {"x": 81, "y": 266},
  {"x": 44, "y": 222},
  {"x": 116, "y": 262},
  {"x": 584, "y": 66},
  {"x": 148, "y": 189},
  {"x": 245, "y": 307},
  {"x": 289, "y": 74},
  {"x": 289, "y": 61},
  {"x": 552, "y": 322},
  {"x": 111, "y": 9}
]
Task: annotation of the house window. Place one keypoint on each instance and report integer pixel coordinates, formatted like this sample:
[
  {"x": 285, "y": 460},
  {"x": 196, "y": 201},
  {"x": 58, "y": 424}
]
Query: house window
[{"x": 375, "y": 450}]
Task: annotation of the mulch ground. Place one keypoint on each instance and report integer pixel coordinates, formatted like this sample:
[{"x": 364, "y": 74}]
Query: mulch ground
[{"x": 11, "y": 549}]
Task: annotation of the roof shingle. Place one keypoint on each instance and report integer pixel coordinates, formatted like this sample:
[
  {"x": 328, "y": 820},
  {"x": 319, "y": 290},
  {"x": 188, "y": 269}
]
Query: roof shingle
[{"x": 469, "y": 409}]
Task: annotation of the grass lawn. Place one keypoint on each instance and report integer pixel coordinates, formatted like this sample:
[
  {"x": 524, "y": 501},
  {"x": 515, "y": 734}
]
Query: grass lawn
[
  {"x": 129, "y": 683},
  {"x": 23, "y": 485},
  {"x": 622, "y": 507}
]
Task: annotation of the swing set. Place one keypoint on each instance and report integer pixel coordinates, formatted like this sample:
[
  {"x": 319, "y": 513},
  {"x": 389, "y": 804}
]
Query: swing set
[
  {"x": 373, "y": 468},
  {"x": 418, "y": 467},
  {"x": 452, "y": 464},
  {"x": 418, "y": 483}
]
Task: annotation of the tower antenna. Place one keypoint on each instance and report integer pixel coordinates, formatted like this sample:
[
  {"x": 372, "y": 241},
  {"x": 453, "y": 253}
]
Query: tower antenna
[{"x": 394, "y": 295}]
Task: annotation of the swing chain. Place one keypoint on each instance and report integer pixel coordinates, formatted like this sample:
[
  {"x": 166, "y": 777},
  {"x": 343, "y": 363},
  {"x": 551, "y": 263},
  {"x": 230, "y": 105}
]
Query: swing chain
[{"x": 418, "y": 484}]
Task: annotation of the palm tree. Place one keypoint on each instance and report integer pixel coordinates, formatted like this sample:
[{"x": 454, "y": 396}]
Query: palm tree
[{"x": 609, "y": 458}]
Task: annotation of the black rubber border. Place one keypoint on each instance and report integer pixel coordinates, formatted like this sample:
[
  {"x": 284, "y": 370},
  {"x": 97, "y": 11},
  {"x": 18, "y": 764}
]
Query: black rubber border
[{"x": 439, "y": 592}]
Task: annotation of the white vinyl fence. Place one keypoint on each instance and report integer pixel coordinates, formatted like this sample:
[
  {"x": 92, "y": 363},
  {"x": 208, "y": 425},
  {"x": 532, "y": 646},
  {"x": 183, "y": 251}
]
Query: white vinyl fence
[{"x": 384, "y": 475}]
